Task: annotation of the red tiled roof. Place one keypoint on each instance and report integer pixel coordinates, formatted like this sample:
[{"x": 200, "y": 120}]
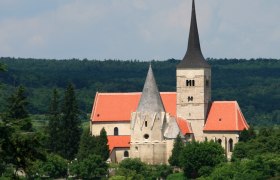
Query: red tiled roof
[
  {"x": 225, "y": 116},
  {"x": 119, "y": 106},
  {"x": 184, "y": 126},
  {"x": 118, "y": 142}
]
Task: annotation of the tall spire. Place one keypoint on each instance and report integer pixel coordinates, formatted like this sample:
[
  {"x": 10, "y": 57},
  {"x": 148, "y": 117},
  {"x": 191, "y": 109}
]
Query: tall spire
[
  {"x": 193, "y": 57},
  {"x": 150, "y": 100}
]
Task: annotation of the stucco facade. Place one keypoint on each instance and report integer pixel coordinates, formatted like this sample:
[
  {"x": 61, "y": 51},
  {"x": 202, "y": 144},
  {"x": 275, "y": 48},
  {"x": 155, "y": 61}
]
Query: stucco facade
[
  {"x": 122, "y": 128},
  {"x": 227, "y": 140}
]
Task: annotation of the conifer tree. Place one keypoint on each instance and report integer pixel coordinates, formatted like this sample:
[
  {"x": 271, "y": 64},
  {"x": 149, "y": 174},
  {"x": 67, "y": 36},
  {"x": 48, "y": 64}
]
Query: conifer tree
[
  {"x": 54, "y": 126},
  {"x": 174, "y": 159},
  {"x": 87, "y": 145},
  {"x": 71, "y": 125},
  {"x": 19, "y": 148},
  {"x": 17, "y": 104},
  {"x": 17, "y": 110},
  {"x": 102, "y": 145}
]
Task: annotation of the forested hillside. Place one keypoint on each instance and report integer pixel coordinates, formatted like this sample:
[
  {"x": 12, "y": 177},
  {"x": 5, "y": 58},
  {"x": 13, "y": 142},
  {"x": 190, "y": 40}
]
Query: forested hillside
[{"x": 255, "y": 84}]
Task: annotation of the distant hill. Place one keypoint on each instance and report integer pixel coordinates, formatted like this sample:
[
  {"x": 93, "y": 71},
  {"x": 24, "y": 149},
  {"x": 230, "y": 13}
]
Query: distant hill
[{"x": 255, "y": 84}]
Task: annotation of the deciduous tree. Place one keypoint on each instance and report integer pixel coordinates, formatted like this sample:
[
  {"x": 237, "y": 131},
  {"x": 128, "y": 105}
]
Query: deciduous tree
[
  {"x": 198, "y": 155},
  {"x": 92, "y": 167}
]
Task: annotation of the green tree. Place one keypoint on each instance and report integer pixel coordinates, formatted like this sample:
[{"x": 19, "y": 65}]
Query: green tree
[
  {"x": 87, "y": 145},
  {"x": 22, "y": 149},
  {"x": 17, "y": 104},
  {"x": 71, "y": 125},
  {"x": 2, "y": 67},
  {"x": 92, "y": 167},
  {"x": 198, "y": 155},
  {"x": 132, "y": 169},
  {"x": 162, "y": 171},
  {"x": 174, "y": 159},
  {"x": 102, "y": 148},
  {"x": 247, "y": 135},
  {"x": 54, "y": 126},
  {"x": 265, "y": 166},
  {"x": 54, "y": 167},
  {"x": 4, "y": 134},
  {"x": 267, "y": 141},
  {"x": 16, "y": 112}
]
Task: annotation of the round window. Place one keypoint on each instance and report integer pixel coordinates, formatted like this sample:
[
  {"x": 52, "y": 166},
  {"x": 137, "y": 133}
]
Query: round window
[{"x": 146, "y": 136}]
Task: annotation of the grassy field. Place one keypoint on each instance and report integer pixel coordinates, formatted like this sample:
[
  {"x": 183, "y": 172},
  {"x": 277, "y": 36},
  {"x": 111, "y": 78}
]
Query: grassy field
[{"x": 40, "y": 122}]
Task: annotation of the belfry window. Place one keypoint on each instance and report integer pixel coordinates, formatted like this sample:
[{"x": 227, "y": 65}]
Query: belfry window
[
  {"x": 125, "y": 154},
  {"x": 146, "y": 124},
  {"x": 190, "y": 83},
  {"x": 116, "y": 131},
  {"x": 230, "y": 144}
]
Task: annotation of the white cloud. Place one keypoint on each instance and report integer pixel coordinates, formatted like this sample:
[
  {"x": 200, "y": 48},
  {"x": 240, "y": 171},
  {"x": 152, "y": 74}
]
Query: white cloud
[{"x": 142, "y": 29}]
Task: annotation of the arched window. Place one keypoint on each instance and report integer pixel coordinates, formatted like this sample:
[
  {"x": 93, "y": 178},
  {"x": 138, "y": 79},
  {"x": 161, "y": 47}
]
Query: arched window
[
  {"x": 193, "y": 83},
  {"x": 116, "y": 131},
  {"x": 125, "y": 154},
  {"x": 230, "y": 144},
  {"x": 220, "y": 141},
  {"x": 146, "y": 124}
]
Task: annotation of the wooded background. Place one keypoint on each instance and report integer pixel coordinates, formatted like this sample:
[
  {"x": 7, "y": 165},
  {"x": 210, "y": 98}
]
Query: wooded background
[{"x": 254, "y": 83}]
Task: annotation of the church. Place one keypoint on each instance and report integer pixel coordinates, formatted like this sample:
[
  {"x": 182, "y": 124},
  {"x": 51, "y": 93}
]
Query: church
[{"x": 145, "y": 124}]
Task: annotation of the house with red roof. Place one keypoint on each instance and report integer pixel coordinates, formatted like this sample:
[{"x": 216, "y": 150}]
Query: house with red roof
[{"x": 144, "y": 124}]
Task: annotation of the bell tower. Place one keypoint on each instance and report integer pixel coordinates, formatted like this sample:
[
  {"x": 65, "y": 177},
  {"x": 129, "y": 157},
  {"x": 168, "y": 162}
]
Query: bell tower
[{"x": 193, "y": 76}]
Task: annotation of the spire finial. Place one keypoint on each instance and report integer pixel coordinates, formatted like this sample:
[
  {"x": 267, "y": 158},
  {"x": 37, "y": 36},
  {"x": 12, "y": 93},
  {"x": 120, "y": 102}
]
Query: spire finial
[{"x": 193, "y": 57}]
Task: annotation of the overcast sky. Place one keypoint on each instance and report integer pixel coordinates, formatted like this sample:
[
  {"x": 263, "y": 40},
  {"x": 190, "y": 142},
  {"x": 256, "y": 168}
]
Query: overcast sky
[{"x": 137, "y": 29}]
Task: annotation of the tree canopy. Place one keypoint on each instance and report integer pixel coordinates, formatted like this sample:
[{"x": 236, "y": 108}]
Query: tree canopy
[
  {"x": 253, "y": 83},
  {"x": 198, "y": 158}
]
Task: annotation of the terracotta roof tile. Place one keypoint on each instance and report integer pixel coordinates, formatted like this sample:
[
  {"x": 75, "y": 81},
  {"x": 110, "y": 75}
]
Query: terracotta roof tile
[
  {"x": 225, "y": 116},
  {"x": 184, "y": 126},
  {"x": 118, "y": 142},
  {"x": 119, "y": 106}
]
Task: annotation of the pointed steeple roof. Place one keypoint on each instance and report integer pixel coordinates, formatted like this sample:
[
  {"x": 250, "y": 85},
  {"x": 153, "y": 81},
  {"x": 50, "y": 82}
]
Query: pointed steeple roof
[
  {"x": 193, "y": 57},
  {"x": 150, "y": 100}
]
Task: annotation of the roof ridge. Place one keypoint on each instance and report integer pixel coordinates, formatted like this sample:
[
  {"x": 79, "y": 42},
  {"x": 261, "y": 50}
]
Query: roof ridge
[
  {"x": 236, "y": 109},
  {"x": 94, "y": 105},
  {"x": 244, "y": 122},
  {"x": 224, "y": 101}
]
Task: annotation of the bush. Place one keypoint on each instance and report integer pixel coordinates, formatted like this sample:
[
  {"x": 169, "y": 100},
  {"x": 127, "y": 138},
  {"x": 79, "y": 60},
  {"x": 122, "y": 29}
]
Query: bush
[
  {"x": 55, "y": 167},
  {"x": 92, "y": 167},
  {"x": 176, "y": 176}
]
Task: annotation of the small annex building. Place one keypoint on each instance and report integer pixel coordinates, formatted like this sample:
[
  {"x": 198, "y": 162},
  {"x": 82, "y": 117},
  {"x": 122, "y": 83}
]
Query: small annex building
[{"x": 145, "y": 124}]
